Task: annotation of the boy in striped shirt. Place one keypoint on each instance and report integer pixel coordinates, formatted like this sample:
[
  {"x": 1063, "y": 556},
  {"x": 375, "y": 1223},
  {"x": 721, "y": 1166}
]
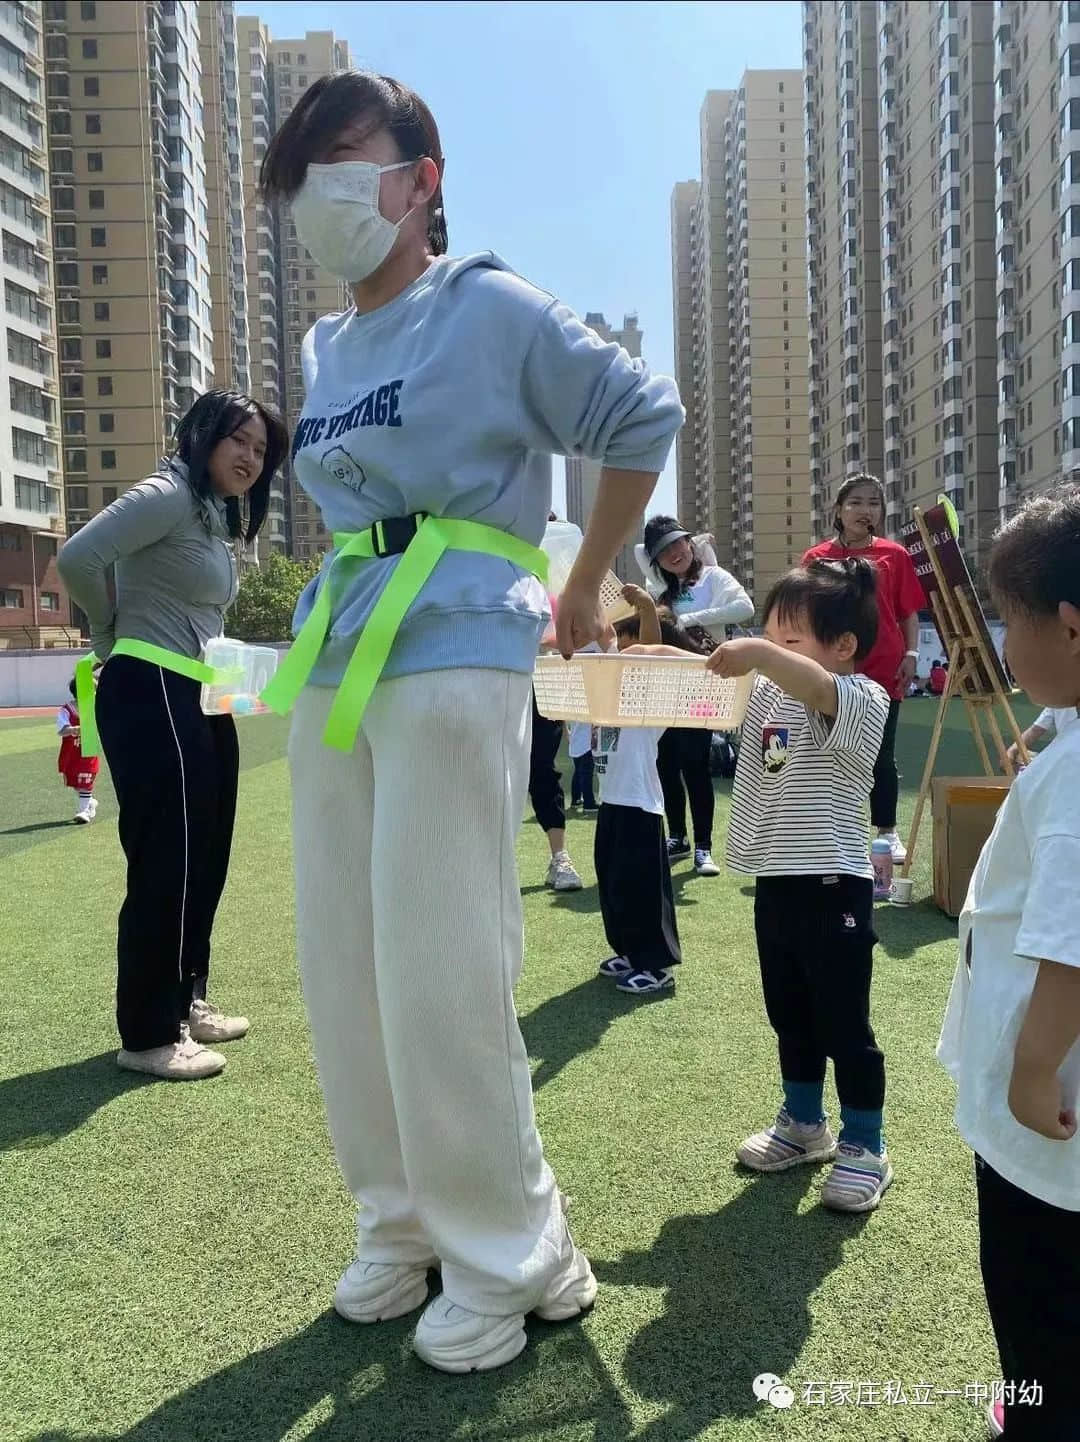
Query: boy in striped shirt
[{"x": 811, "y": 734}]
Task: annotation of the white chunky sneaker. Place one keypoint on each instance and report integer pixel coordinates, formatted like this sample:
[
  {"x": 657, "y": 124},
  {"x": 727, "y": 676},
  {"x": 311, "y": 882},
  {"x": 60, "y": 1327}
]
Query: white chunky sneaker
[
  {"x": 453, "y": 1339},
  {"x": 899, "y": 850},
  {"x": 86, "y": 810},
  {"x": 206, "y": 1023},
  {"x": 183, "y": 1060},
  {"x": 377, "y": 1291},
  {"x": 561, "y": 874}
]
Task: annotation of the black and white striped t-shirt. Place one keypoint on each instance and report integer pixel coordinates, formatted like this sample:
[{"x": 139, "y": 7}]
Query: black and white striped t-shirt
[{"x": 798, "y": 805}]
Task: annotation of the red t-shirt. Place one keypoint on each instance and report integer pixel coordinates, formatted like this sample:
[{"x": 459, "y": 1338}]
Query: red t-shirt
[{"x": 899, "y": 595}]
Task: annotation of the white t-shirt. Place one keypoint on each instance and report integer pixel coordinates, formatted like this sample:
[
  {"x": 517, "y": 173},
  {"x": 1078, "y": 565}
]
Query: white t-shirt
[
  {"x": 803, "y": 780},
  {"x": 1022, "y": 907},
  {"x": 580, "y": 739},
  {"x": 625, "y": 762},
  {"x": 1055, "y": 720}
]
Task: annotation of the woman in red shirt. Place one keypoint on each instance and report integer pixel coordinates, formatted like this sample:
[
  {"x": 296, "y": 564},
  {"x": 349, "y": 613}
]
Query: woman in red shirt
[{"x": 859, "y": 515}]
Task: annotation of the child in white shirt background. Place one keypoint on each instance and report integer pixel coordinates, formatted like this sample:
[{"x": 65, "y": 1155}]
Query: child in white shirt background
[
  {"x": 1051, "y": 721},
  {"x": 632, "y": 869},
  {"x": 1010, "y": 1035}
]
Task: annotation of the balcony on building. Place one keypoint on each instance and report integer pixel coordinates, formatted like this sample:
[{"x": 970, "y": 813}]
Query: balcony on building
[
  {"x": 1008, "y": 491},
  {"x": 1003, "y": 137}
]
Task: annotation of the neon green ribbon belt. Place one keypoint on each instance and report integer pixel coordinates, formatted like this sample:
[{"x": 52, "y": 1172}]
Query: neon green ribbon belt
[
  {"x": 431, "y": 536},
  {"x": 90, "y": 743}
]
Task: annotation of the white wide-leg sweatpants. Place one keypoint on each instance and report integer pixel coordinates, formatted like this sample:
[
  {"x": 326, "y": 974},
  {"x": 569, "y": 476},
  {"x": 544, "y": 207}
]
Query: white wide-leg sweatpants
[{"x": 409, "y": 930}]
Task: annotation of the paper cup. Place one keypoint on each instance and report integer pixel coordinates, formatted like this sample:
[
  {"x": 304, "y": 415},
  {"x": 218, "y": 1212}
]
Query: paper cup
[{"x": 901, "y": 891}]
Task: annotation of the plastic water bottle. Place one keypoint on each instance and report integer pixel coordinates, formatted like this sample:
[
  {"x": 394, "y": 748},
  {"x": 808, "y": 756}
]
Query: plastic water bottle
[{"x": 881, "y": 860}]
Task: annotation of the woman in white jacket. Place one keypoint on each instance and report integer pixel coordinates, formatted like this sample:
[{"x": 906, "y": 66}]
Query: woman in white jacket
[{"x": 706, "y": 599}]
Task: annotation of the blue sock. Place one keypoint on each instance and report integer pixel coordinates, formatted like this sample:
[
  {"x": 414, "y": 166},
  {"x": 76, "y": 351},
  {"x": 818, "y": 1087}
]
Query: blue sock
[
  {"x": 803, "y": 1102},
  {"x": 862, "y": 1129}
]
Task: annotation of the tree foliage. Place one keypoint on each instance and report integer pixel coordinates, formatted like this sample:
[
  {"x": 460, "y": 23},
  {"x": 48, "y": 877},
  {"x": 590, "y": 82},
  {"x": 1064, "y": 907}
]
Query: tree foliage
[{"x": 264, "y": 606}]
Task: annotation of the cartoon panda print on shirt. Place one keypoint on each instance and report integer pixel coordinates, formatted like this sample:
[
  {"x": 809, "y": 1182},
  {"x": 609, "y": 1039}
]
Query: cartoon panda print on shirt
[{"x": 343, "y": 468}]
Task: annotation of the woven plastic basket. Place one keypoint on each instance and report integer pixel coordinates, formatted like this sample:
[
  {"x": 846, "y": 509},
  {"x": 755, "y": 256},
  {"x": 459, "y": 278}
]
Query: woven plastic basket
[{"x": 620, "y": 690}]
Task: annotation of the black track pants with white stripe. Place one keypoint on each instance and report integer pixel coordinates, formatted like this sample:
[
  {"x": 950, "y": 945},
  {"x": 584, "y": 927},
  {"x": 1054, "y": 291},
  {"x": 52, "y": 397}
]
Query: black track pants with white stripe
[{"x": 175, "y": 773}]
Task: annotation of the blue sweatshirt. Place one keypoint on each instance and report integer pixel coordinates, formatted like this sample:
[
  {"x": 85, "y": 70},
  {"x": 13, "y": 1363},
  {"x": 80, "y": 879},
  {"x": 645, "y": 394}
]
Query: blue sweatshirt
[{"x": 451, "y": 399}]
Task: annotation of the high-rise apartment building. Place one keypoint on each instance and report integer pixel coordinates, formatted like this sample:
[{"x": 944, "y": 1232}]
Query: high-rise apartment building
[
  {"x": 935, "y": 276},
  {"x": 738, "y": 248},
  {"x": 692, "y": 503},
  {"x": 307, "y": 291},
  {"x": 225, "y": 192},
  {"x": 700, "y": 263},
  {"x": 131, "y": 235},
  {"x": 257, "y": 120},
  {"x": 583, "y": 475},
  {"x": 31, "y": 485}
]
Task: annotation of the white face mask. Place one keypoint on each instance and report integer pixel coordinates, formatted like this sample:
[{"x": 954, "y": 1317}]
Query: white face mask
[{"x": 337, "y": 217}]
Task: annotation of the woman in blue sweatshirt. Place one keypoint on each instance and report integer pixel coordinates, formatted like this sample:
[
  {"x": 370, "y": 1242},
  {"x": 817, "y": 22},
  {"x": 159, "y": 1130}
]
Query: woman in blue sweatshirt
[{"x": 434, "y": 405}]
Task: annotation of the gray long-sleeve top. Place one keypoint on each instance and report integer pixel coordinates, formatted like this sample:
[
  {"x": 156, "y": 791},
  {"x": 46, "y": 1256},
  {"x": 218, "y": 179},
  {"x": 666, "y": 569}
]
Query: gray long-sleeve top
[{"x": 157, "y": 565}]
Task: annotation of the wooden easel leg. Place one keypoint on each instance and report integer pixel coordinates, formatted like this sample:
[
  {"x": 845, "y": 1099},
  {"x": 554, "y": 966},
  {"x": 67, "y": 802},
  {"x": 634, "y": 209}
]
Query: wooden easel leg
[
  {"x": 928, "y": 769},
  {"x": 974, "y": 710},
  {"x": 999, "y": 740}
]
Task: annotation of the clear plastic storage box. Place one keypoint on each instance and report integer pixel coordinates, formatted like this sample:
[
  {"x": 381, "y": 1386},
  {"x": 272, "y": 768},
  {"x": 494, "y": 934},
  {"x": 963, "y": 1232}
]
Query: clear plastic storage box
[
  {"x": 245, "y": 669},
  {"x": 624, "y": 690}
]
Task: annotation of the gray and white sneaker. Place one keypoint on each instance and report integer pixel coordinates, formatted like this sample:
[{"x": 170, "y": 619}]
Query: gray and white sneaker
[
  {"x": 207, "y": 1023},
  {"x": 561, "y": 874},
  {"x": 183, "y": 1060}
]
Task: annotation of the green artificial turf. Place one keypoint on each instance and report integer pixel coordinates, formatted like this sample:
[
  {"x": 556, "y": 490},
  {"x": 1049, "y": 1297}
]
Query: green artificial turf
[{"x": 168, "y": 1252}]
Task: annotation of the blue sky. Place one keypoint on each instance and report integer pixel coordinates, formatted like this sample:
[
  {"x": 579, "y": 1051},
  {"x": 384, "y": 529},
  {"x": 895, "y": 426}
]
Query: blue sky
[{"x": 565, "y": 127}]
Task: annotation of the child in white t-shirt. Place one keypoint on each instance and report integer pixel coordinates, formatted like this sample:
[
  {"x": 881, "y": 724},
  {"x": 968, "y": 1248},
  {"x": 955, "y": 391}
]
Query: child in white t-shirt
[
  {"x": 1051, "y": 721},
  {"x": 632, "y": 869},
  {"x": 1010, "y": 1035},
  {"x": 579, "y": 746}
]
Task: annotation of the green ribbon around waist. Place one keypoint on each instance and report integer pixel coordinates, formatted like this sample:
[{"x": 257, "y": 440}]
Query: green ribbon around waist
[
  {"x": 434, "y": 535},
  {"x": 90, "y": 742}
]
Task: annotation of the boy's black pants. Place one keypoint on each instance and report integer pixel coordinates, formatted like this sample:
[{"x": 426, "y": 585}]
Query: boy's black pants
[
  {"x": 1030, "y": 1256},
  {"x": 815, "y": 939},
  {"x": 634, "y": 880},
  {"x": 175, "y": 773}
]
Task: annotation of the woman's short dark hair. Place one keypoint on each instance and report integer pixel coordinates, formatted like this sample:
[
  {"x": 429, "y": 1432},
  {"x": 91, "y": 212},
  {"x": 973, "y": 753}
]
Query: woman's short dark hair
[
  {"x": 864, "y": 478},
  {"x": 834, "y": 597},
  {"x": 1035, "y": 559},
  {"x": 213, "y": 417},
  {"x": 673, "y": 585},
  {"x": 335, "y": 102}
]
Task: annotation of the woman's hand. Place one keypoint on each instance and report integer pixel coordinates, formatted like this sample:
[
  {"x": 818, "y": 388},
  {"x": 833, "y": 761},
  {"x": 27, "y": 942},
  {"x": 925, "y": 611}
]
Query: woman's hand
[
  {"x": 905, "y": 672},
  {"x": 581, "y": 619}
]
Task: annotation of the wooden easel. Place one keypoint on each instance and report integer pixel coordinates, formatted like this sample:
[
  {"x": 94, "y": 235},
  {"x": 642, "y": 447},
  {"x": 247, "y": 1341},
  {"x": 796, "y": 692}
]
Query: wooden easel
[{"x": 973, "y": 677}]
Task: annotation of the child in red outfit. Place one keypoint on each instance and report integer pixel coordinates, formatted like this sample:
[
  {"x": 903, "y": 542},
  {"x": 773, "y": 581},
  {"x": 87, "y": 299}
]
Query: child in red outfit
[{"x": 78, "y": 771}]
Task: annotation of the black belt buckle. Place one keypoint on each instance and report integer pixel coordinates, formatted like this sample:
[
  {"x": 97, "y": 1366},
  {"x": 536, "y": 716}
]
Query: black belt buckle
[{"x": 392, "y": 535}]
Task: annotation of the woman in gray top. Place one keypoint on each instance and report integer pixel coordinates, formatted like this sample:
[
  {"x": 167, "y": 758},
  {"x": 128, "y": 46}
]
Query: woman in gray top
[{"x": 158, "y": 567}]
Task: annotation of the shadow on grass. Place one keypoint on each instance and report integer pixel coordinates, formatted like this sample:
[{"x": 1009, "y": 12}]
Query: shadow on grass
[
  {"x": 904, "y": 930},
  {"x": 738, "y": 1288},
  {"x": 571, "y": 1023},
  {"x": 375, "y": 1390},
  {"x": 37, "y": 826},
  {"x": 40, "y": 1107}
]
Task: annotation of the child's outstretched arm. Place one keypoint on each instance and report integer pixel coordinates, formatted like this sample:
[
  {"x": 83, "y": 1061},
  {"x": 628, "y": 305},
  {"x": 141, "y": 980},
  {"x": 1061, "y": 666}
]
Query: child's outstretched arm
[
  {"x": 799, "y": 676},
  {"x": 648, "y": 620},
  {"x": 1051, "y": 1026}
]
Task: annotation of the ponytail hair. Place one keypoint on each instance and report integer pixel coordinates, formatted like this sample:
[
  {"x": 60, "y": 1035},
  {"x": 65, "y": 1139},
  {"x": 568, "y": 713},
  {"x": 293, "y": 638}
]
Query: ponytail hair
[{"x": 833, "y": 598}]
